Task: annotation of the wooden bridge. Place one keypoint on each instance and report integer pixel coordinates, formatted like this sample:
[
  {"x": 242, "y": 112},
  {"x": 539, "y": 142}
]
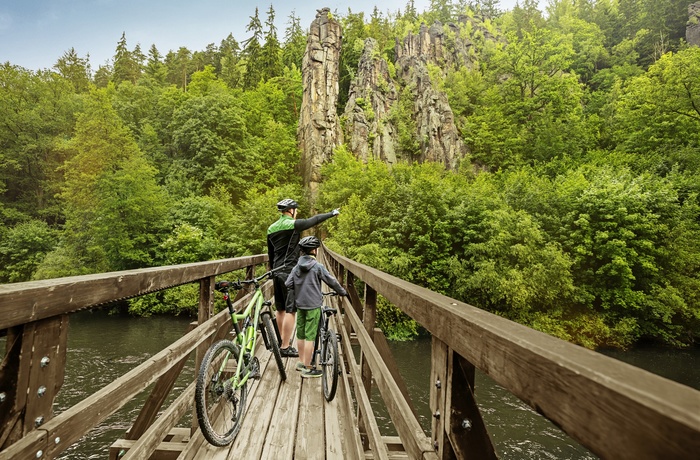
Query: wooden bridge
[{"x": 615, "y": 410}]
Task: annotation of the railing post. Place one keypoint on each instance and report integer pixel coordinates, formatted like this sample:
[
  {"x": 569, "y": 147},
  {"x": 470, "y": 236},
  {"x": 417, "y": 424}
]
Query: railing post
[
  {"x": 31, "y": 375},
  {"x": 206, "y": 311},
  {"x": 458, "y": 431}
]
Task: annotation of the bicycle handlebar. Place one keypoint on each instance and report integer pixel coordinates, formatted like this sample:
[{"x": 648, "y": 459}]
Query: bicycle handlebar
[{"x": 226, "y": 285}]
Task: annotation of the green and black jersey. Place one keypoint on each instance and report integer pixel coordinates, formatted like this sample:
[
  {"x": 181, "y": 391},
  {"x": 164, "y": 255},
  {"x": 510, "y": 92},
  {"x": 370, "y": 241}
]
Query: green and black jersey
[{"x": 283, "y": 238}]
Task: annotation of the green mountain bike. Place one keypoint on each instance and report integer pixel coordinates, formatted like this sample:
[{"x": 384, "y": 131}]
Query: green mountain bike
[{"x": 228, "y": 365}]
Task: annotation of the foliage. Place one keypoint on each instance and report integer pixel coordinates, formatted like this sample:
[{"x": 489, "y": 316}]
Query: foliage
[
  {"x": 22, "y": 248},
  {"x": 577, "y": 213}
]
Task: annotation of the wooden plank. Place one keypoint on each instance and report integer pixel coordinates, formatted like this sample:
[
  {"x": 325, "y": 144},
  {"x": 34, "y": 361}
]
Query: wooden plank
[
  {"x": 46, "y": 369},
  {"x": 280, "y": 439},
  {"x": 352, "y": 442},
  {"x": 198, "y": 447},
  {"x": 365, "y": 408},
  {"x": 152, "y": 438},
  {"x": 438, "y": 386},
  {"x": 14, "y": 374},
  {"x": 165, "y": 450},
  {"x": 414, "y": 440},
  {"x": 310, "y": 442},
  {"x": 259, "y": 412},
  {"x": 638, "y": 415},
  {"x": 34, "y": 300},
  {"x": 383, "y": 347},
  {"x": 333, "y": 419}
]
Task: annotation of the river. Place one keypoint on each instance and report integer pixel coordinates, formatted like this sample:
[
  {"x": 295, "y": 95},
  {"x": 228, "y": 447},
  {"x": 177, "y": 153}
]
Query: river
[{"x": 102, "y": 347}]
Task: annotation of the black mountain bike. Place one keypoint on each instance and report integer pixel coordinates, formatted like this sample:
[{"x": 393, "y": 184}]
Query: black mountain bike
[{"x": 326, "y": 351}]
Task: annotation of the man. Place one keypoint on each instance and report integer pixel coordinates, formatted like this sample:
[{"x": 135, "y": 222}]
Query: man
[
  {"x": 305, "y": 282},
  {"x": 282, "y": 239}
]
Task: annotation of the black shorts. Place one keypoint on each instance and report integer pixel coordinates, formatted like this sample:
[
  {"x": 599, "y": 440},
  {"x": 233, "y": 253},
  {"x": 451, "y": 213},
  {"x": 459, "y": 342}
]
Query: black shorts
[{"x": 283, "y": 300}]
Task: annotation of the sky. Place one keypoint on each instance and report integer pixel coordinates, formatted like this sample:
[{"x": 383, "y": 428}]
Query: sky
[{"x": 34, "y": 34}]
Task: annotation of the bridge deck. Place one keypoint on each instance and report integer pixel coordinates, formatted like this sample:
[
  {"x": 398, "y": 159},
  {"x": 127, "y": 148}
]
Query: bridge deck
[{"x": 283, "y": 420}]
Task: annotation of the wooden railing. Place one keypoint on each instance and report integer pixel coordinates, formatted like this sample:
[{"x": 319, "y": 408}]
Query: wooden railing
[
  {"x": 34, "y": 315},
  {"x": 614, "y": 409}
]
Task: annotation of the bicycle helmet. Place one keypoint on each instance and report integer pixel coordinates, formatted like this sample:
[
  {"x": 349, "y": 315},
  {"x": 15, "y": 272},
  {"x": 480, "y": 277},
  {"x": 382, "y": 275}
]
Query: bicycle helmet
[
  {"x": 286, "y": 205},
  {"x": 309, "y": 242}
]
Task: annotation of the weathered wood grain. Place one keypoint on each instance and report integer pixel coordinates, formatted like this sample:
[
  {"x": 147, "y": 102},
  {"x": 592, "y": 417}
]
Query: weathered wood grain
[
  {"x": 280, "y": 439},
  {"x": 34, "y": 300}
]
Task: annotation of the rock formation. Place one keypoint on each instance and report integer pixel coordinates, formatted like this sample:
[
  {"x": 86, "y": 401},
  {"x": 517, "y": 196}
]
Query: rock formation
[
  {"x": 372, "y": 95},
  {"x": 319, "y": 132},
  {"x": 692, "y": 31}
]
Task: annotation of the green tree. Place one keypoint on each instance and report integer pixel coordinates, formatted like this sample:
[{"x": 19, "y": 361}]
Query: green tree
[
  {"x": 179, "y": 66},
  {"x": 253, "y": 53},
  {"x": 532, "y": 110},
  {"x": 661, "y": 108},
  {"x": 37, "y": 112},
  {"x": 294, "y": 43},
  {"x": 155, "y": 68},
  {"x": 271, "y": 50},
  {"x": 22, "y": 248},
  {"x": 75, "y": 69},
  {"x": 126, "y": 66},
  {"x": 232, "y": 68},
  {"x": 114, "y": 209}
]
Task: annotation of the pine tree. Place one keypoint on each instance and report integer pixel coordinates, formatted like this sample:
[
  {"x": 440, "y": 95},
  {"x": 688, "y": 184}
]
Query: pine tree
[
  {"x": 155, "y": 68},
  {"x": 125, "y": 68},
  {"x": 271, "y": 62},
  {"x": 75, "y": 69},
  {"x": 253, "y": 53},
  {"x": 294, "y": 43}
]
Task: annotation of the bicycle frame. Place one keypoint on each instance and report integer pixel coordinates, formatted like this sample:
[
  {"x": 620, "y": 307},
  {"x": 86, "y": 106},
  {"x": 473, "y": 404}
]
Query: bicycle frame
[{"x": 246, "y": 334}]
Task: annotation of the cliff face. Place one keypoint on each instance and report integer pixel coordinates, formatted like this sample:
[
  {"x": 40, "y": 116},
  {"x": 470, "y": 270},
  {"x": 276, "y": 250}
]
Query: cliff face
[
  {"x": 372, "y": 95},
  {"x": 692, "y": 31},
  {"x": 319, "y": 131},
  {"x": 390, "y": 116}
]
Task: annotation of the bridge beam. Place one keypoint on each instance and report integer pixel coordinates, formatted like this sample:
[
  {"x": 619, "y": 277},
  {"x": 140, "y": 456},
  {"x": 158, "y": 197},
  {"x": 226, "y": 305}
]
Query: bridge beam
[{"x": 31, "y": 374}]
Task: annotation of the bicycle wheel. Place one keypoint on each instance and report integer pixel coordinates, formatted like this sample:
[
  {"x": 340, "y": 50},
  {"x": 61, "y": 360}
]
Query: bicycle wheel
[
  {"x": 219, "y": 404},
  {"x": 330, "y": 364},
  {"x": 274, "y": 345}
]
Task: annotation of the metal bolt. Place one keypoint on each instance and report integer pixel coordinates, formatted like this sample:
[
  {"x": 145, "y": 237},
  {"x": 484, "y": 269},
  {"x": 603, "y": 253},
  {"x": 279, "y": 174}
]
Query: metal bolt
[
  {"x": 45, "y": 361},
  {"x": 467, "y": 424},
  {"x": 438, "y": 384},
  {"x": 3, "y": 397},
  {"x": 437, "y": 414},
  {"x": 41, "y": 391},
  {"x": 39, "y": 454},
  {"x": 57, "y": 440},
  {"x": 38, "y": 421}
]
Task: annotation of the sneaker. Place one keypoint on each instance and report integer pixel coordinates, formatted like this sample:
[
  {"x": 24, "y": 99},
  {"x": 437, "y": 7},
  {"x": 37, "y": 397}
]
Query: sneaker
[
  {"x": 311, "y": 373},
  {"x": 289, "y": 352},
  {"x": 300, "y": 366}
]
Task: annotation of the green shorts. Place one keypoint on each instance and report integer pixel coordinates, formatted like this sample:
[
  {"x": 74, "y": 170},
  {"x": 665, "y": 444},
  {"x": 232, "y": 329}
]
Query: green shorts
[{"x": 307, "y": 324}]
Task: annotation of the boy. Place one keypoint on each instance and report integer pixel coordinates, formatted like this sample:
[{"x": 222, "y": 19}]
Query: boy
[{"x": 305, "y": 279}]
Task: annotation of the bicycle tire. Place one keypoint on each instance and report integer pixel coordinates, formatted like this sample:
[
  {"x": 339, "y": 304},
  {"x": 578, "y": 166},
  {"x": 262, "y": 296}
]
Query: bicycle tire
[
  {"x": 214, "y": 395},
  {"x": 330, "y": 364},
  {"x": 274, "y": 345}
]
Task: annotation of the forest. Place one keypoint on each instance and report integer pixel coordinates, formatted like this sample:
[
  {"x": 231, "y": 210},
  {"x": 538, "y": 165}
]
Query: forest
[{"x": 575, "y": 212}]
